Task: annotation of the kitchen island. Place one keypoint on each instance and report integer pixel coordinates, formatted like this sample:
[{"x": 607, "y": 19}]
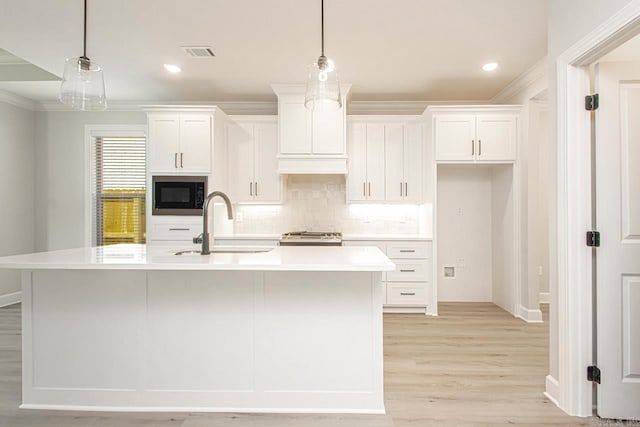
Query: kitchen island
[{"x": 139, "y": 328}]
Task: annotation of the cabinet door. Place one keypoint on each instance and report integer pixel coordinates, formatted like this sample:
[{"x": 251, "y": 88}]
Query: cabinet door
[
  {"x": 413, "y": 159},
  {"x": 328, "y": 132},
  {"x": 241, "y": 162},
  {"x": 357, "y": 178},
  {"x": 394, "y": 159},
  {"x": 497, "y": 135},
  {"x": 375, "y": 162},
  {"x": 195, "y": 143},
  {"x": 267, "y": 187},
  {"x": 295, "y": 128},
  {"x": 455, "y": 137},
  {"x": 164, "y": 132}
]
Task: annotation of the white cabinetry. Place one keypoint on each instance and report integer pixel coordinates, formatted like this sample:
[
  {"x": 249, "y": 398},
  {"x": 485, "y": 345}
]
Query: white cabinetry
[
  {"x": 475, "y": 134},
  {"x": 180, "y": 142},
  {"x": 309, "y": 141},
  {"x": 366, "y": 162},
  {"x": 408, "y": 289},
  {"x": 385, "y": 159},
  {"x": 252, "y": 143}
]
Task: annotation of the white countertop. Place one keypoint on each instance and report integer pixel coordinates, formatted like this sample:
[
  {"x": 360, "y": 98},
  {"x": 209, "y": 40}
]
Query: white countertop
[{"x": 150, "y": 257}]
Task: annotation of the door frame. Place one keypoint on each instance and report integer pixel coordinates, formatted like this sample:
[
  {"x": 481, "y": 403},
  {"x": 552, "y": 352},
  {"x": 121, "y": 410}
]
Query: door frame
[{"x": 571, "y": 391}]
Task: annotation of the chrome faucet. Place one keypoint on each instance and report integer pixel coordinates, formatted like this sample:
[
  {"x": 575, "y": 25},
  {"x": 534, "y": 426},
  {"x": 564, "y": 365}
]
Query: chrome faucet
[{"x": 205, "y": 224}]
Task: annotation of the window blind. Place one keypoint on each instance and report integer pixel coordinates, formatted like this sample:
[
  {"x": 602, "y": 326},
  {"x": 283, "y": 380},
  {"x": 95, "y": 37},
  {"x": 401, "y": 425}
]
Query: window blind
[{"x": 120, "y": 190}]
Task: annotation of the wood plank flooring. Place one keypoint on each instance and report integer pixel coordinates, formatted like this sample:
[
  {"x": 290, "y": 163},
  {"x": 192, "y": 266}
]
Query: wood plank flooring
[{"x": 473, "y": 365}]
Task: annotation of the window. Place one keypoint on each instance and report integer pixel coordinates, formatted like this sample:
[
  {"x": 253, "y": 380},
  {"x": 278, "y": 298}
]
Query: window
[{"x": 118, "y": 190}]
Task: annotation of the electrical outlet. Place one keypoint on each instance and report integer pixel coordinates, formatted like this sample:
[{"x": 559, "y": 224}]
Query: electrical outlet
[
  {"x": 449, "y": 271},
  {"x": 461, "y": 263},
  {"x": 239, "y": 217},
  {"x": 539, "y": 270},
  {"x": 459, "y": 212}
]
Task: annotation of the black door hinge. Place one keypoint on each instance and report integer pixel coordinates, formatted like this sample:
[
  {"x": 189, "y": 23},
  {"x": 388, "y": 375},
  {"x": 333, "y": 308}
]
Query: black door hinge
[
  {"x": 593, "y": 374},
  {"x": 591, "y": 102},
  {"x": 593, "y": 238}
]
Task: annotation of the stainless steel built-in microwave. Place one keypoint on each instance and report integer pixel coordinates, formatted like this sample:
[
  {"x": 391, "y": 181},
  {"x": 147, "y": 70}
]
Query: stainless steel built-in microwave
[{"x": 178, "y": 195}]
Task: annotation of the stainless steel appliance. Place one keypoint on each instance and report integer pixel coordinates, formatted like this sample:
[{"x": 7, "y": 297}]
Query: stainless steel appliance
[
  {"x": 311, "y": 238},
  {"x": 178, "y": 195}
]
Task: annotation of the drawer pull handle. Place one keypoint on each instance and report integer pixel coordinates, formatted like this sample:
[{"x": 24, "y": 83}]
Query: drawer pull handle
[
  {"x": 407, "y": 271},
  {"x": 408, "y": 293},
  {"x": 179, "y": 229},
  {"x": 410, "y": 251}
]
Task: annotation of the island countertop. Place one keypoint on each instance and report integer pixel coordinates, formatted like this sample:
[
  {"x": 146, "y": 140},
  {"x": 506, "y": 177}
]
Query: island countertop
[{"x": 163, "y": 257}]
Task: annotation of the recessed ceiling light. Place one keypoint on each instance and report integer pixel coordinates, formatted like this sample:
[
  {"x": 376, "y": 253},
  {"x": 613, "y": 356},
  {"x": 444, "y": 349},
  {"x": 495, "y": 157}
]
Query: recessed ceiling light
[
  {"x": 490, "y": 66},
  {"x": 172, "y": 68}
]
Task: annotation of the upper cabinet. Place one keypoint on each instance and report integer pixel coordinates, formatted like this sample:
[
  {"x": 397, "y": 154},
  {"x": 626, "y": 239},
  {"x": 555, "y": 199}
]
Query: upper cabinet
[
  {"x": 252, "y": 143},
  {"x": 181, "y": 141},
  {"x": 310, "y": 141},
  {"x": 486, "y": 134},
  {"x": 385, "y": 159}
]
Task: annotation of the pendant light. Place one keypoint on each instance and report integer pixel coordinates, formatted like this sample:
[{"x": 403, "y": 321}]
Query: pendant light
[
  {"x": 82, "y": 85},
  {"x": 323, "y": 87}
]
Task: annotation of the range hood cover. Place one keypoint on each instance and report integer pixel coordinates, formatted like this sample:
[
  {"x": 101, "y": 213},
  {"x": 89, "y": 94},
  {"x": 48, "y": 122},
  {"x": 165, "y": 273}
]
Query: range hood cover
[{"x": 312, "y": 165}]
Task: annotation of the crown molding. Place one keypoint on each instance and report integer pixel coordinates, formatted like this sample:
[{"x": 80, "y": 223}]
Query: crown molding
[
  {"x": 17, "y": 100},
  {"x": 355, "y": 108},
  {"x": 523, "y": 81},
  {"x": 231, "y": 108}
]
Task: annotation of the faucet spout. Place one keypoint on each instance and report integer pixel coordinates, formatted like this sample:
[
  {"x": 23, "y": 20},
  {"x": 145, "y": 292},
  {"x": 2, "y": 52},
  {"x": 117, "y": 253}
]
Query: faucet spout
[{"x": 205, "y": 214}]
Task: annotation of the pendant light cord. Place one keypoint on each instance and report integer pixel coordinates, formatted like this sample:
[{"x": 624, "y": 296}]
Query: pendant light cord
[
  {"x": 84, "y": 47},
  {"x": 321, "y": 24}
]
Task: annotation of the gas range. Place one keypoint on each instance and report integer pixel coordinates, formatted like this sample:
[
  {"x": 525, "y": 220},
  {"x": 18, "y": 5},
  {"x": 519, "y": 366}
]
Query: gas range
[{"x": 311, "y": 238}]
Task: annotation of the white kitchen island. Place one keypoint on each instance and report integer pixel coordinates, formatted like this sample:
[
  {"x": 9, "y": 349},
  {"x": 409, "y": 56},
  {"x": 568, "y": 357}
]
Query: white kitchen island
[{"x": 138, "y": 328}]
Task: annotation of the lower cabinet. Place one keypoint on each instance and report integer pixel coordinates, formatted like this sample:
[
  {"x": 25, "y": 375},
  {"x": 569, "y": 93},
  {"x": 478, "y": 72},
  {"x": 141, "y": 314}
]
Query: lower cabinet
[{"x": 408, "y": 289}]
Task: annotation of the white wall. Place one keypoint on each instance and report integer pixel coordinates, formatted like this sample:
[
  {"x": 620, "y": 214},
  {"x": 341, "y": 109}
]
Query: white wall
[
  {"x": 59, "y": 175},
  {"x": 464, "y": 232},
  {"x": 17, "y": 189},
  {"x": 568, "y": 22},
  {"x": 502, "y": 229}
]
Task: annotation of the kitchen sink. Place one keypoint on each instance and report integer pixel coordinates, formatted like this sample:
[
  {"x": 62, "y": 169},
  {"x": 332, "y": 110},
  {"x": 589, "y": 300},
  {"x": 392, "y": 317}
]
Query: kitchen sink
[{"x": 228, "y": 250}]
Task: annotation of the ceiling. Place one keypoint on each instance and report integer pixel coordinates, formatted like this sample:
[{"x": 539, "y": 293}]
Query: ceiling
[{"x": 401, "y": 50}]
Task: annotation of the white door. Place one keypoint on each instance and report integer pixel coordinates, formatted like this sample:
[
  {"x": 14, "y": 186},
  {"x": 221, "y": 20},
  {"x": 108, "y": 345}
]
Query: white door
[
  {"x": 618, "y": 257},
  {"x": 455, "y": 137},
  {"x": 496, "y": 137},
  {"x": 357, "y": 178},
  {"x": 163, "y": 131},
  {"x": 375, "y": 162},
  {"x": 295, "y": 128},
  {"x": 195, "y": 143},
  {"x": 394, "y": 162},
  {"x": 267, "y": 186},
  {"x": 241, "y": 162},
  {"x": 328, "y": 132},
  {"x": 413, "y": 162}
]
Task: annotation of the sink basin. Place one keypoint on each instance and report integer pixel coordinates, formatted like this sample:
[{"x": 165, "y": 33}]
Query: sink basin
[{"x": 228, "y": 250}]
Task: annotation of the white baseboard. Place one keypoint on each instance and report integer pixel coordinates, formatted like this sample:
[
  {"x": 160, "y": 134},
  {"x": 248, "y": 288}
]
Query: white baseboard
[
  {"x": 529, "y": 316},
  {"x": 543, "y": 298},
  {"x": 552, "y": 390},
  {"x": 10, "y": 299}
]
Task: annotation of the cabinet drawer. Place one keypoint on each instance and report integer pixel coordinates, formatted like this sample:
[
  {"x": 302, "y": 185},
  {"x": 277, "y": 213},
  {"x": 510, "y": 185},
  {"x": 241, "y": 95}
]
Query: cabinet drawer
[
  {"x": 409, "y": 250},
  {"x": 406, "y": 294},
  {"x": 185, "y": 232},
  {"x": 408, "y": 271}
]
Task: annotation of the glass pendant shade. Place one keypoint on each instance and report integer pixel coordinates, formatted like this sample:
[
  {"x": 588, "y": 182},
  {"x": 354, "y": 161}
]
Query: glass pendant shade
[
  {"x": 82, "y": 85},
  {"x": 323, "y": 87}
]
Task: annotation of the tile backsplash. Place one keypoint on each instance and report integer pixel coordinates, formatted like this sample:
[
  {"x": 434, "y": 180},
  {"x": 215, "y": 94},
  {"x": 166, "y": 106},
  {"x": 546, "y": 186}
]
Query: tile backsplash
[{"x": 318, "y": 203}]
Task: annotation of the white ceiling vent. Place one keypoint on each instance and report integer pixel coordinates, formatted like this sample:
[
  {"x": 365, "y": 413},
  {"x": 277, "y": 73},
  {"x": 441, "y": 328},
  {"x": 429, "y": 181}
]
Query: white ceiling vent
[{"x": 199, "y": 51}]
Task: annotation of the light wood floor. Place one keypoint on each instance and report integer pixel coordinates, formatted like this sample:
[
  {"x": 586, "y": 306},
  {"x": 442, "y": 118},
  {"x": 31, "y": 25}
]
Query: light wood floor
[{"x": 473, "y": 365}]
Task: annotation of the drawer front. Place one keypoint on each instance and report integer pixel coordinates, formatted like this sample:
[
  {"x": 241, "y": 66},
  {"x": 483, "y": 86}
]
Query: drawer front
[
  {"x": 379, "y": 245},
  {"x": 177, "y": 232},
  {"x": 410, "y": 271},
  {"x": 409, "y": 250},
  {"x": 407, "y": 294},
  {"x": 223, "y": 241}
]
